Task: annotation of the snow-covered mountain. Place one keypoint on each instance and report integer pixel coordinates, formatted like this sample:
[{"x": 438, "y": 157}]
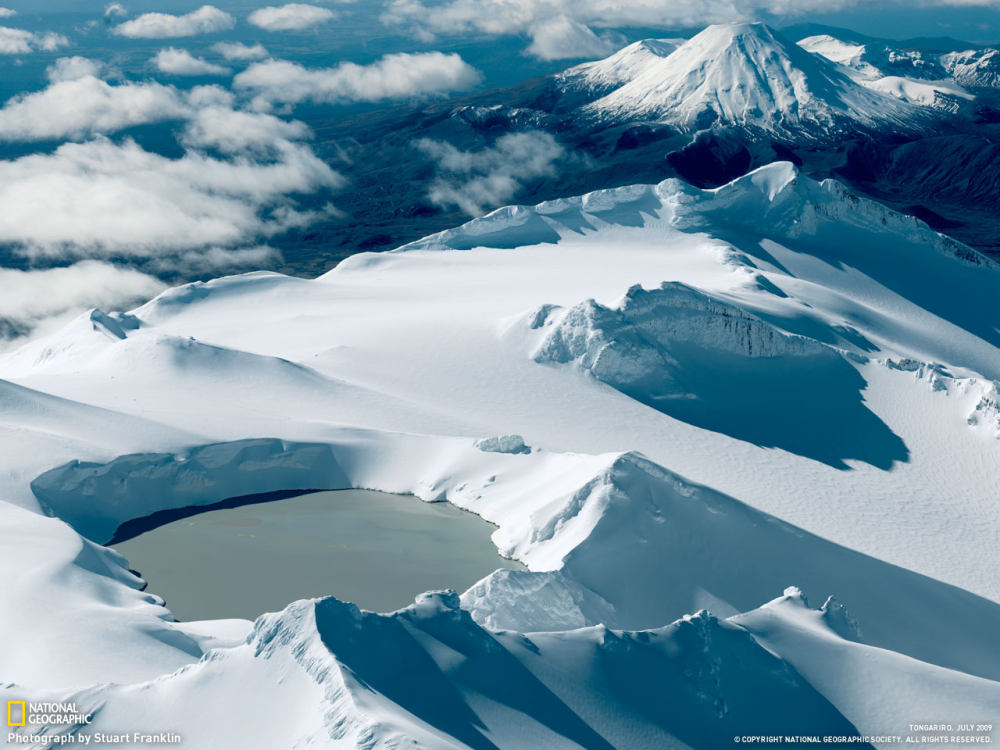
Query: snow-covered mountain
[
  {"x": 602, "y": 76},
  {"x": 974, "y": 67},
  {"x": 942, "y": 80},
  {"x": 748, "y": 75},
  {"x": 778, "y": 102},
  {"x": 875, "y": 60},
  {"x": 430, "y": 677},
  {"x": 718, "y": 393}
]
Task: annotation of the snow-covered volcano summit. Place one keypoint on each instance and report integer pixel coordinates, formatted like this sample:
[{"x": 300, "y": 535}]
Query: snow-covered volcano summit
[
  {"x": 749, "y": 75},
  {"x": 719, "y": 393},
  {"x": 620, "y": 68}
]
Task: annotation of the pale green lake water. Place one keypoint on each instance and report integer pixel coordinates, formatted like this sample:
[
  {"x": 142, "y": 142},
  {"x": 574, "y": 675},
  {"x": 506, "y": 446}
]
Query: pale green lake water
[{"x": 371, "y": 548}]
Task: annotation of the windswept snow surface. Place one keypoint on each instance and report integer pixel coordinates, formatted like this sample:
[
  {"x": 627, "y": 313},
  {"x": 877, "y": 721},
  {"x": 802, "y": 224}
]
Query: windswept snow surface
[
  {"x": 825, "y": 646},
  {"x": 667, "y": 399}
]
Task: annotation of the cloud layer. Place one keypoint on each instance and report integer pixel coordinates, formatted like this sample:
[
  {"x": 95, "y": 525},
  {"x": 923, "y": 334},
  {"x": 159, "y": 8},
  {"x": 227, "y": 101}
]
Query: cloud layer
[
  {"x": 396, "y": 76},
  {"x": 99, "y": 199},
  {"x": 561, "y": 38},
  {"x": 21, "y": 42},
  {"x": 477, "y": 181},
  {"x": 103, "y": 199},
  {"x": 239, "y": 51},
  {"x": 78, "y": 104},
  {"x": 519, "y": 16},
  {"x": 427, "y": 19},
  {"x": 234, "y": 132},
  {"x": 180, "y": 62},
  {"x": 290, "y": 17},
  {"x": 71, "y": 68},
  {"x": 205, "y": 20}
]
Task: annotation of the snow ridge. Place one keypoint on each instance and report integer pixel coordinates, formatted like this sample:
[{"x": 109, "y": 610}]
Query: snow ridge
[
  {"x": 678, "y": 313},
  {"x": 428, "y": 676},
  {"x": 983, "y": 394},
  {"x": 296, "y": 635},
  {"x": 635, "y": 347},
  {"x": 777, "y": 200}
]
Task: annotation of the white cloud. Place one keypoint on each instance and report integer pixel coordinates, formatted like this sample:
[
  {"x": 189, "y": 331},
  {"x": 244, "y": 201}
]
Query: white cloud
[
  {"x": 477, "y": 181},
  {"x": 240, "y": 51},
  {"x": 559, "y": 38},
  {"x": 7, "y": 12},
  {"x": 180, "y": 62},
  {"x": 396, "y": 76},
  {"x": 428, "y": 18},
  {"x": 234, "y": 132},
  {"x": 78, "y": 107},
  {"x": 290, "y": 17},
  {"x": 205, "y": 20},
  {"x": 215, "y": 260},
  {"x": 21, "y": 42},
  {"x": 210, "y": 96},
  {"x": 112, "y": 10},
  {"x": 99, "y": 199},
  {"x": 78, "y": 104},
  {"x": 36, "y": 302},
  {"x": 71, "y": 68}
]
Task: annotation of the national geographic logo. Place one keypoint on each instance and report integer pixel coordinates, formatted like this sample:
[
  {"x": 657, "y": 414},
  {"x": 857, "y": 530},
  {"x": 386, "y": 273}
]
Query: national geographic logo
[
  {"x": 65, "y": 724},
  {"x": 20, "y": 713},
  {"x": 17, "y": 713}
]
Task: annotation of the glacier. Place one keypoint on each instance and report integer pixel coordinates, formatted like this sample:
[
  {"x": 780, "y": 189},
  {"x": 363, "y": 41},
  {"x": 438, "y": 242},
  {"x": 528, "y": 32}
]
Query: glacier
[{"x": 596, "y": 376}]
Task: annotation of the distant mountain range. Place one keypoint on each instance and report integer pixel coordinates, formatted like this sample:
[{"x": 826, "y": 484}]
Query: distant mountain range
[
  {"x": 913, "y": 127},
  {"x": 925, "y": 43}
]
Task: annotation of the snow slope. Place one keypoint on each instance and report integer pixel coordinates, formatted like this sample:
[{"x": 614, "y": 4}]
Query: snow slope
[
  {"x": 974, "y": 67},
  {"x": 912, "y": 76},
  {"x": 620, "y": 68},
  {"x": 940, "y": 94},
  {"x": 748, "y": 75},
  {"x": 871, "y": 686},
  {"x": 873, "y": 60},
  {"x": 462, "y": 684},
  {"x": 667, "y": 399}
]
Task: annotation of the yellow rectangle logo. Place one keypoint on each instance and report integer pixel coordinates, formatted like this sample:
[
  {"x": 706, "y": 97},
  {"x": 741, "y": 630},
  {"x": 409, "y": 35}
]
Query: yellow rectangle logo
[{"x": 17, "y": 713}]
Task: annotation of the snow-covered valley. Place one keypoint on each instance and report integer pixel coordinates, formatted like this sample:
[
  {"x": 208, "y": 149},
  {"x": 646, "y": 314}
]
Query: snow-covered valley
[{"x": 717, "y": 395}]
